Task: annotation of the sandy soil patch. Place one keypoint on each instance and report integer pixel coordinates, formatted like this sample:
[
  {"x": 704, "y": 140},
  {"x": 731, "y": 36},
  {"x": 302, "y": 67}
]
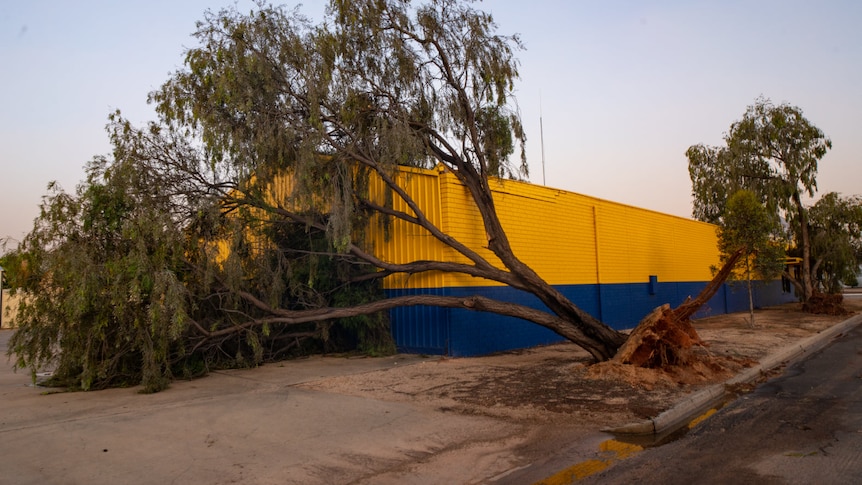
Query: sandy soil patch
[{"x": 556, "y": 382}]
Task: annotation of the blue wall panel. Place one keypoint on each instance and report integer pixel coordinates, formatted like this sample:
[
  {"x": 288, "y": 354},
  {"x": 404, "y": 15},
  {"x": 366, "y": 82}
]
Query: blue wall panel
[
  {"x": 459, "y": 332},
  {"x": 420, "y": 329},
  {"x": 623, "y": 305},
  {"x": 480, "y": 333},
  {"x": 774, "y": 293}
]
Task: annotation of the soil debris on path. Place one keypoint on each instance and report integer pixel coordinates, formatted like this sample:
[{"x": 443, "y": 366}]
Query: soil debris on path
[{"x": 547, "y": 384}]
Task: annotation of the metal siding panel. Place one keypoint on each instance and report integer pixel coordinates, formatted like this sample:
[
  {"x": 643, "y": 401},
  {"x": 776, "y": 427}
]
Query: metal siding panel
[
  {"x": 614, "y": 248},
  {"x": 407, "y": 241},
  {"x": 420, "y": 329},
  {"x": 479, "y": 333},
  {"x": 552, "y": 233},
  {"x": 736, "y": 298},
  {"x": 461, "y": 332},
  {"x": 772, "y": 293},
  {"x": 636, "y": 243},
  {"x": 695, "y": 249},
  {"x": 567, "y": 238}
]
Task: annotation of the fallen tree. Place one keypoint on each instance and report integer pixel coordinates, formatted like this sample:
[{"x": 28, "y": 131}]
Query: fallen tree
[
  {"x": 379, "y": 86},
  {"x": 176, "y": 247}
]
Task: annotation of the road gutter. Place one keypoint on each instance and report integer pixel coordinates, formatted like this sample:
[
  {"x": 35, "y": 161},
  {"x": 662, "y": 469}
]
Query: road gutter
[{"x": 699, "y": 402}]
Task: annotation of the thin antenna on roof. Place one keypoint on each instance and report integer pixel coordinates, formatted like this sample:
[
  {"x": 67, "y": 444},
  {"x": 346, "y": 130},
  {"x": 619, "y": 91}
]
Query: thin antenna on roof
[{"x": 542, "y": 138}]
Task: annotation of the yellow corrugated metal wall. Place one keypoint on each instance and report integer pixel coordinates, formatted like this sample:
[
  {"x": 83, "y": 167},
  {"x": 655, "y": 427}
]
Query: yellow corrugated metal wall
[
  {"x": 635, "y": 243},
  {"x": 614, "y": 261},
  {"x": 409, "y": 242},
  {"x": 567, "y": 238}
]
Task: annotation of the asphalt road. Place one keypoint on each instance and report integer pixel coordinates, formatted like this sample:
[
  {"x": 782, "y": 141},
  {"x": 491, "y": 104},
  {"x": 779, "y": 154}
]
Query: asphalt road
[{"x": 804, "y": 426}]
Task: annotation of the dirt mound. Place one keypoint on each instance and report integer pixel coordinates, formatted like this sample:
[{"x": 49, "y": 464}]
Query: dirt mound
[
  {"x": 823, "y": 304},
  {"x": 701, "y": 368},
  {"x": 640, "y": 377}
]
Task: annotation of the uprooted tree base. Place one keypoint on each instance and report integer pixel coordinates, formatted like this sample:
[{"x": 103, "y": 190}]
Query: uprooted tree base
[
  {"x": 665, "y": 338},
  {"x": 665, "y": 343},
  {"x": 825, "y": 304},
  {"x": 659, "y": 340}
]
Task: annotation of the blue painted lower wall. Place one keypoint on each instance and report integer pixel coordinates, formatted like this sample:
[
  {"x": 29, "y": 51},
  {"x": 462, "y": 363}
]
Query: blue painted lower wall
[{"x": 458, "y": 332}]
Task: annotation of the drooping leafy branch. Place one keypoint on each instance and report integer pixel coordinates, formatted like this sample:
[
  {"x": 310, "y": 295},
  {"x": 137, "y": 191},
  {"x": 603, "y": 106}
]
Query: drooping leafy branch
[{"x": 377, "y": 86}]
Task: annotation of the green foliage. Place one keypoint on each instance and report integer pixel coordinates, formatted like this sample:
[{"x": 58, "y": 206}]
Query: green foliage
[
  {"x": 114, "y": 284},
  {"x": 378, "y": 84},
  {"x": 747, "y": 224},
  {"x": 773, "y": 152},
  {"x": 104, "y": 304},
  {"x": 705, "y": 165},
  {"x": 781, "y": 147},
  {"x": 315, "y": 276},
  {"x": 836, "y": 240}
]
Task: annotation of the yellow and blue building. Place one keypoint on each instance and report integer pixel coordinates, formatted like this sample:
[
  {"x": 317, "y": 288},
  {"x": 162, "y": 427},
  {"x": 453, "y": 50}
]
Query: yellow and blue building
[{"x": 615, "y": 261}]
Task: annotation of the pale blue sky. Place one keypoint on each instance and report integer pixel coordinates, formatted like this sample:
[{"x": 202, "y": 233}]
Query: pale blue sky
[{"x": 625, "y": 86}]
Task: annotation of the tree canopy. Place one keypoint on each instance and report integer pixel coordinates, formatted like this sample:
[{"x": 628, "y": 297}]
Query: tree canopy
[
  {"x": 773, "y": 151},
  {"x": 748, "y": 226},
  {"x": 379, "y": 84},
  {"x": 174, "y": 257},
  {"x": 836, "y": 240}
]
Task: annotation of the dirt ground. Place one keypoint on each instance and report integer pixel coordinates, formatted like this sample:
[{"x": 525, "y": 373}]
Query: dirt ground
[
  {"x": 548, "y": 383},
  {"x": 516, "y": 417}
]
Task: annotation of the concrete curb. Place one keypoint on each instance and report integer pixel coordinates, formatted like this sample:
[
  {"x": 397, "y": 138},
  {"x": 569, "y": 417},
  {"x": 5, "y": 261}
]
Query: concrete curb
[{"x": 699, "y": 402}]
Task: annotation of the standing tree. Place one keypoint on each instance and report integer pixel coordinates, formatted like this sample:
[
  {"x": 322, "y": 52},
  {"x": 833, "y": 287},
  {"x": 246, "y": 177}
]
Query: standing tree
[
  {"x": 773, "y": 151},
  {"x": 836, "y": 240},
  {"x": 746, "y": 224}
]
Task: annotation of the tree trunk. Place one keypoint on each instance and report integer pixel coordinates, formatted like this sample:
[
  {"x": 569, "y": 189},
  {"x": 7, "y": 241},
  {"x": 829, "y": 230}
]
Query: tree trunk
[
  {"x": 601, "y": 339},
  {"x": 659, "y": 340},
  {"x": 282, "y": 316},
  {"x": 750, "y": 304},
  {"x": 690, "y": 307},
  {"x": 807, "y": 285},
  {"x": 750, "y": 293}
]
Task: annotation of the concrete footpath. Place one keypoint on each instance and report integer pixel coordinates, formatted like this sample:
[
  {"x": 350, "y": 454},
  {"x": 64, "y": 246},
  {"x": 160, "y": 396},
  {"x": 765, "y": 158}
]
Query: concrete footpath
[{"x": 246, "y": 426}]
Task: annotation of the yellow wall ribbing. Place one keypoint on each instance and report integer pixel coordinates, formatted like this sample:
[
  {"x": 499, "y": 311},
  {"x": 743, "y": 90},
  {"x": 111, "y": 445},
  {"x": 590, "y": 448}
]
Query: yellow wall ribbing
[
  {"x": 567, "y": 238},
  {"x": 409, "y": 242}
]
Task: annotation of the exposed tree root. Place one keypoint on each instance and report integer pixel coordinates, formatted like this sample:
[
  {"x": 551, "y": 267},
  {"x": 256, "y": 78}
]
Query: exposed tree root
[
  {"x": 659, "y": 340},
  {"x": 665, "y": 338},
  {"x": 823, "y": 304}
]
